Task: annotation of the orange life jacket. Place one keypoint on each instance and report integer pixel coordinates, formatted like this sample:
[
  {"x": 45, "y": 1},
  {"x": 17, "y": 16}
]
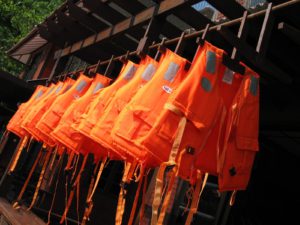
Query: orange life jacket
[
  {"x": 101, "y": 132},
  {"x": 39, "y": 110},
  {"x": 14, "y": 124},
  {"x": 52, "y": 117},
  {"x": 241, "y": 136},
  {"x": 206, "y": 98},
  {"x": 200, "y": 100},
  {"x": 26, "y": 123},
  {"x": 95, "y": 109},
  {"x": 139, "y": 115},
  {"x": 66, "y": 134}
]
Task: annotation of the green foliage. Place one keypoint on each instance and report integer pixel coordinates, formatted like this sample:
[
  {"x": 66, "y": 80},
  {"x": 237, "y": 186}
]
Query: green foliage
[{"x": 17, "y": 18}]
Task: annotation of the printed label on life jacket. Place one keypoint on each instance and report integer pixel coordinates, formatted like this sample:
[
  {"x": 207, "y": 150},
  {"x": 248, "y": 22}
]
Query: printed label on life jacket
[
  {"x": 98, "y": 87},
  {"x": 253, "y": 85},
  {"x": 130, "y": 72},
  {"x": 171, "y": 72},
  {"x": 39, "y": 94},
  {"x": 211, "y": 62},
  {"x": 228, "y": 76},
  {"x": 148, "y": 73},
  {"x": 82, "y": 84},
  {"x": 205, "y": 84},
  {"x": 167, "y": 89}
]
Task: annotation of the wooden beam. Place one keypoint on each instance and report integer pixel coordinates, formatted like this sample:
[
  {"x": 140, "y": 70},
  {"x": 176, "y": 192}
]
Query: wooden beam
[
  {"x": 50, "y": 37},
  {"x": 126, "y": 24},
  {"x": 78, "y": 32},
  {"x": 124, "y": 42},
  {"x": 192, "y": 17},
  {"x": 82, "y": 17},
  {"x": 136, "y": 32},
  {"x": 290, "y": 31},
  {"x": 132, "y": 6},
  {"x": 104, "y": 11},
  {"x": 230, "y": 8},
  {"x": 170, "y": 31}
]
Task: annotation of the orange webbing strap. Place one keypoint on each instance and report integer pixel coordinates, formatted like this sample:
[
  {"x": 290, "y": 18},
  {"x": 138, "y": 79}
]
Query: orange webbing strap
[
  {"x": 89, "y": 206},
  {"x": 167, "y": 197},
  {"x": 232, "y": 198},
  {"x": 28, "y": 178},
  {"x": 35, "y": 195},
  {"x": 29, "y": 144},
  {"x": 179, "y": 133},
  {"x": 158, "y": 192},
  {"x": 196, "y": 196},
  {"x": 70, "y": 160},
  {"x": 102, "y": 165},
  {"x": 75, "y": 166},
  {"x": 60, "y": 164},
  {"x": 77, "y": 201},
  {"x": 142, "y": 210},
  {"x": 173, "y": 154},
  {"x": 13, "y": 166},
  {"x": 53, "y": 158},
  {"x": 92, "y": 189},
  {"x": 132, "y": 172},
  {"x": 136, "y": 198},
  {"x": 51, "y": 165},
  {"x": 3, "y": 140},
  {"x": 87, "y": 213},
  {"x": 173, "y": 174},
  {"x": 76, "y": 183},
  {"x": 122, "y": 195}
]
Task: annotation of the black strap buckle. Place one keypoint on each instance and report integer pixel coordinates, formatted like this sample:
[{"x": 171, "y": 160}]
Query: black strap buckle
[
  {"x": 232, "y": 171},
  {"x": 190, "y": 150}
]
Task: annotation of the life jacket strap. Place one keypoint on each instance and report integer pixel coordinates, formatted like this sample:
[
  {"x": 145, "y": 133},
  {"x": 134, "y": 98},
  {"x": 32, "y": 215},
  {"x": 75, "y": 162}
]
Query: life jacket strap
[
  {"x": 123, "y": 191},
  {"x": 59, "y": 167},
  {"x": 143, "y": 204},
  {"x": 89, "y": 204},
  {"x": 74, "y": 187},
  {"x": 232, "y": 198},
  {"x": 136, "y": 198},
  {"x": 20, "y": 196},
  {"x": 171, "y": 163},
  {"x": 168, "y": 195},
  {"x": 103, "y": 163},
  {"x": 46, "y": 162},
  {"x": 15, "y": 161},
  {"x": 200, "y": 184}
]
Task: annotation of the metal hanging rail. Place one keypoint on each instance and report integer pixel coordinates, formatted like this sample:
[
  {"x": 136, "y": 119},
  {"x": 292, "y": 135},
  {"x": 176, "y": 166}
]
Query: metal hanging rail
[{"x": 285, "y": 78}]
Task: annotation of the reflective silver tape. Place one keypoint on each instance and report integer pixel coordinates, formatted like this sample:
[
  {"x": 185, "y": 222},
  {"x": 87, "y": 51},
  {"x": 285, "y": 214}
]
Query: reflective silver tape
[
  {"x": 39, "y": 94},
  {"x": 82, "y": 84},
  {"x": 148, "y": 73},
  {"x": 98, "y": 87},
  {"x": 228, "y": 76},
  {"x": 58, "y": 88},
  {"x": 205, "y": 84},
  {"x": 253, "y": 85},
  {"x": 130, "y": 72},
  {"x": 171, "y": 72},
  {"x": 211, "y": 62}
]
